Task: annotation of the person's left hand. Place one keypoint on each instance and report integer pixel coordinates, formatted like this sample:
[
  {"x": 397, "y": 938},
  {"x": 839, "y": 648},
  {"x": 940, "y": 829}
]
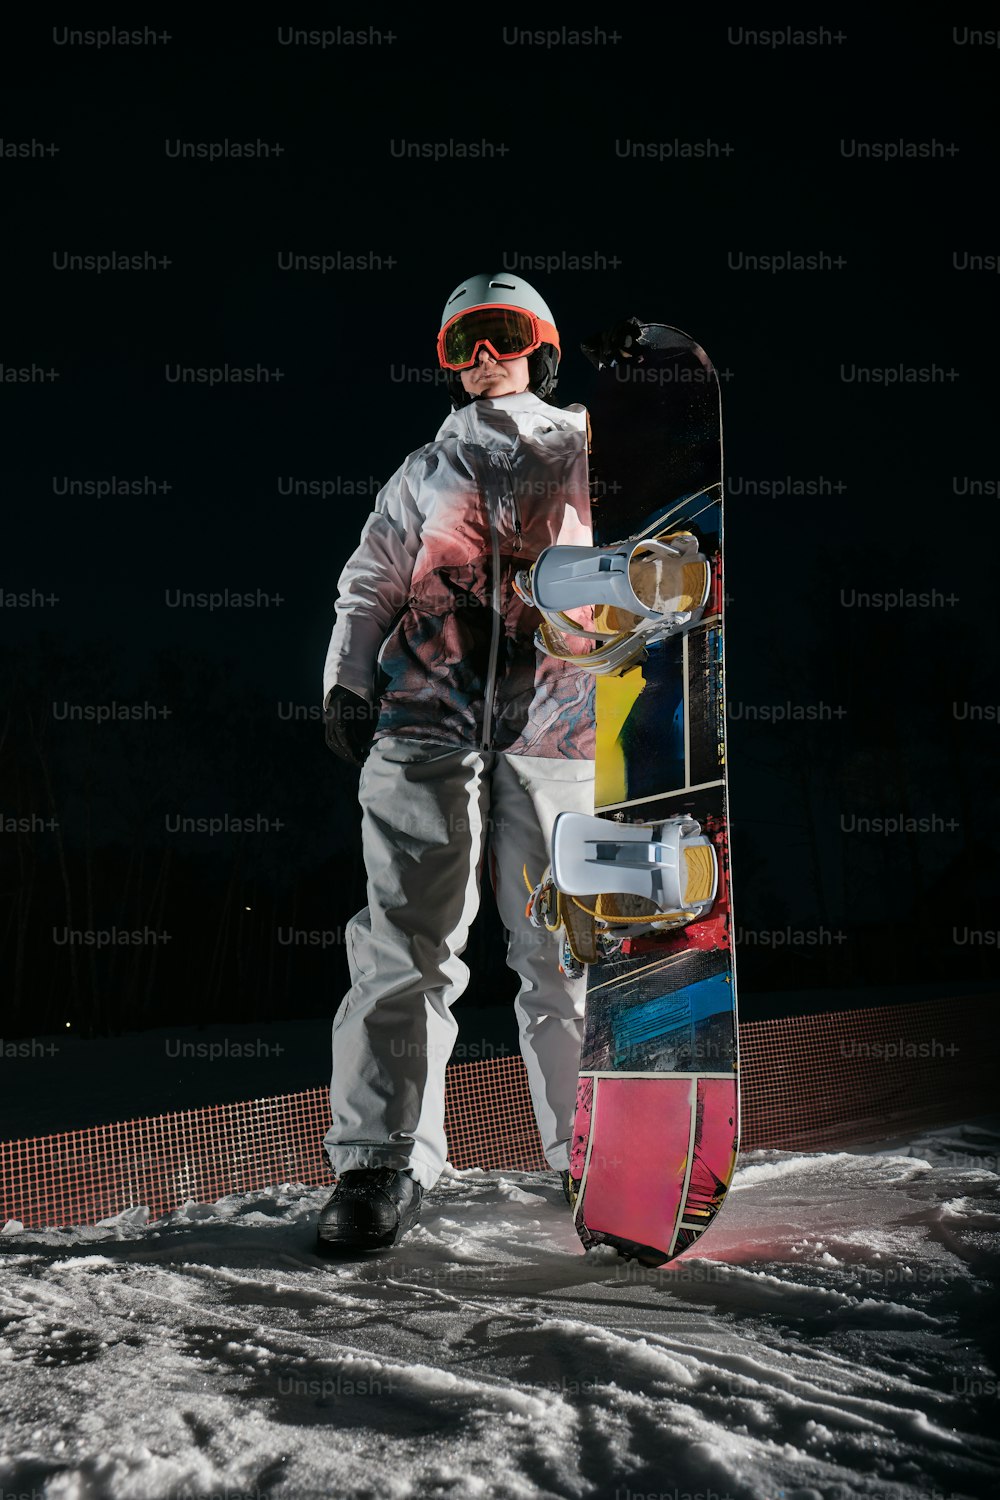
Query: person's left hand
[{"x": 350, "y": 724}]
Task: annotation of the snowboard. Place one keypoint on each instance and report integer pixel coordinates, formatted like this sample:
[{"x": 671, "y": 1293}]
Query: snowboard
[{"x": 657, "y": 1121}]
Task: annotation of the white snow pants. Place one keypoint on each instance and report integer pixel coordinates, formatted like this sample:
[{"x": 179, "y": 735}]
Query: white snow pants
[{"x": 427, "y": 815}]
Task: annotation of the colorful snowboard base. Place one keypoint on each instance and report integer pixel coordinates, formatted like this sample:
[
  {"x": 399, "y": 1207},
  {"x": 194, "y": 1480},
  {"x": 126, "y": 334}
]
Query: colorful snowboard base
[{"x": 651, "y": 1216}]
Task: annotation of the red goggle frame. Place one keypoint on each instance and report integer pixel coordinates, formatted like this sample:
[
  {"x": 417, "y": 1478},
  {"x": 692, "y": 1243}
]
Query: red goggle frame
[{"x": 507, "y": 332}]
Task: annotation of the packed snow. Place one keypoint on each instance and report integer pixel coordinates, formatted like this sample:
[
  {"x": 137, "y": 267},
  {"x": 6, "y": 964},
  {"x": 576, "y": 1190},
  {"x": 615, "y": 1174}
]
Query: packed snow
[{"x": 833, "y": 1336}]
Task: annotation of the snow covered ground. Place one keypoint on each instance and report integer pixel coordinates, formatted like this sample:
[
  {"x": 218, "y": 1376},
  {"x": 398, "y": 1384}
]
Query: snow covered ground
[{"x": 837, "y": 1337}]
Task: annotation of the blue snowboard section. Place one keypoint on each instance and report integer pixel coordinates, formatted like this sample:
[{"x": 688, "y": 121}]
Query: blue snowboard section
[{"x": 689, "y": 1030}]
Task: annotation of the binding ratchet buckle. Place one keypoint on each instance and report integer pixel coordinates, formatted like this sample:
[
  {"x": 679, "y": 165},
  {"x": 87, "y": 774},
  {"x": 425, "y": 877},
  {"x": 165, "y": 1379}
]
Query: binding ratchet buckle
[
  {"x": 641, "y": 591},
  {"x": 651, "y": 877}
]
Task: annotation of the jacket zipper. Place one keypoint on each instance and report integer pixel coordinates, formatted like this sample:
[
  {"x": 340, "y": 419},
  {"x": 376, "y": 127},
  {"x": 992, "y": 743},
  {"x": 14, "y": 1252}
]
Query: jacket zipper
[
  {"x": 513, "y": 506},
  {"x": 493, "y": 496},
  {"x": 491, "y": 676}
]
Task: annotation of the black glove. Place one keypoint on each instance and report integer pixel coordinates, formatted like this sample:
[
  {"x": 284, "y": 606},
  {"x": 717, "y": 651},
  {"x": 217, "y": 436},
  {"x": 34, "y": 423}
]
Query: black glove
[
  {"x": 622, "y": 340},
  {"x": 350, "y": 724}
]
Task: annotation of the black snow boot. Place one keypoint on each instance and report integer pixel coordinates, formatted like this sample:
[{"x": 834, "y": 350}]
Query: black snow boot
[
  {"x": 565, "y": 1183},
  {"x": 371, "y": 1208}
]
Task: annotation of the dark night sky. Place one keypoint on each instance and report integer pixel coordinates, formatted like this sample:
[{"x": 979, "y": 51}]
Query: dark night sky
[{"x": 666, "y": 236}]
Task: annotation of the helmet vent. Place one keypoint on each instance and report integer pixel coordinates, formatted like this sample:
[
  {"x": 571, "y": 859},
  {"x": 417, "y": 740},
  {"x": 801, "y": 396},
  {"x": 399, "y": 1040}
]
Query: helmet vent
[
  {"x": 508, "y": 286},
  {"x": 459, "y": 293}
]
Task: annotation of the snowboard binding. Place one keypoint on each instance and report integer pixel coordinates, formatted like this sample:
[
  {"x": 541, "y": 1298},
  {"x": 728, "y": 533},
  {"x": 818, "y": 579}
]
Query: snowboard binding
[
  {"x": 643, "y": 591},
  {"x": 652, "y": 878}
]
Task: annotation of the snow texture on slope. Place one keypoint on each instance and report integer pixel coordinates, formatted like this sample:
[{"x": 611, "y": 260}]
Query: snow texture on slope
[{"x": 835, "y": 1337}]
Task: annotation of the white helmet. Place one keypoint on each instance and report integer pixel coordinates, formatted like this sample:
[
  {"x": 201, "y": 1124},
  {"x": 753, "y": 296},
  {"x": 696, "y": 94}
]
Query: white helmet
[{"x": 504, "y": 290}]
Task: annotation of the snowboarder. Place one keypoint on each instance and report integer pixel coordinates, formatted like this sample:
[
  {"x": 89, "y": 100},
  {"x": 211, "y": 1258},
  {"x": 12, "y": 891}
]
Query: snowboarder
[{"x": 470, "y": 740}]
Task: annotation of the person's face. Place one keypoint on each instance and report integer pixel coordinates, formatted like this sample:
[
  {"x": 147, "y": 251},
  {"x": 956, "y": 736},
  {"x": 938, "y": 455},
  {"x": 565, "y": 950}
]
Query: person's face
[{"x": 495, "y": 377}]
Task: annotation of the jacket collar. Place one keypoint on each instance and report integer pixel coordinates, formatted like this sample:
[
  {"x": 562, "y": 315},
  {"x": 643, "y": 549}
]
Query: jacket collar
[{"x": 497, "y": 417}]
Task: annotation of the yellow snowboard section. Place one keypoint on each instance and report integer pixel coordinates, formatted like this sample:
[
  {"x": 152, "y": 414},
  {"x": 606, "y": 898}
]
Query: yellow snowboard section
[{"x": 615, "y": 699}]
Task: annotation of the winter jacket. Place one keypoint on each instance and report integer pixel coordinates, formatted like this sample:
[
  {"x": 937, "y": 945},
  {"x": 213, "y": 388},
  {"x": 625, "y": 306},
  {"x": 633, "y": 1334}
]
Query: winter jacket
[{"x": 427, "y": 619}]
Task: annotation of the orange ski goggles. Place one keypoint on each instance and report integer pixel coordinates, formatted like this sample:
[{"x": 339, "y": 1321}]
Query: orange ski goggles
[{"x": 507, "y": 332}]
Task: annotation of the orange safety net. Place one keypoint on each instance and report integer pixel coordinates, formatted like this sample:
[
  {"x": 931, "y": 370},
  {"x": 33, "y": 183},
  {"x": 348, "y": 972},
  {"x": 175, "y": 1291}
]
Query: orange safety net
[{"x": 807, "y": 1082}]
